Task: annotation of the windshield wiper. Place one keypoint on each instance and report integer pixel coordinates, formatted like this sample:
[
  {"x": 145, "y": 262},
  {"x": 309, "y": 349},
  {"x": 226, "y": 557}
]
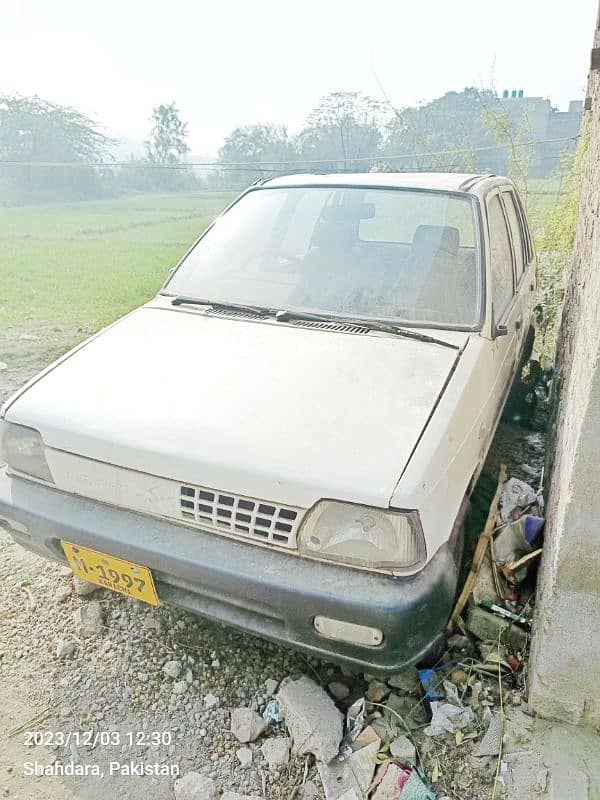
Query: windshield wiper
[
  {"x": 371, "y": 324},
  {"x": 197, "y": 301}
]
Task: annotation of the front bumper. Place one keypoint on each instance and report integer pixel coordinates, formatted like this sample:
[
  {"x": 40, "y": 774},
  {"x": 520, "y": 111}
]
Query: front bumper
[{"x": 273, "y": 594}]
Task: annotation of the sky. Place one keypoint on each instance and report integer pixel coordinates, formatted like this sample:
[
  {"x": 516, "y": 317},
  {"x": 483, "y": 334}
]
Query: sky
[{"x": 233, "y": 62}]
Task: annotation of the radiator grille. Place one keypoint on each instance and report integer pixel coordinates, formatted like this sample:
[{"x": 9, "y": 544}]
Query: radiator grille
[{"x": 245, "y": 517}]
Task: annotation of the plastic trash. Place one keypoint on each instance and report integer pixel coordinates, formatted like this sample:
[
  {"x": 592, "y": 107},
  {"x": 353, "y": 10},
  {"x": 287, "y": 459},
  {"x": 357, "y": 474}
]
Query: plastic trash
[
  {"x": 272, "y": 713},
  {"x": 517, "y": 496},
  {"x": 432, "y": 679},
  {"x": 448, "y": 718},
  {"x": 517, "y": 539}
]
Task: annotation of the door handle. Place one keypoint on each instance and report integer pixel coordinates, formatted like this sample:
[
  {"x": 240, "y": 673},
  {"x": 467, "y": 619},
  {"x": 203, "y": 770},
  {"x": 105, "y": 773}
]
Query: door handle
[{"x": 518, "y": 324}]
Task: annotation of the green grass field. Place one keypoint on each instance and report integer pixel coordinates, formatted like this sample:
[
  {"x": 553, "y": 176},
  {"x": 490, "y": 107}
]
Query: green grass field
[{"x": 88, "y": 263}]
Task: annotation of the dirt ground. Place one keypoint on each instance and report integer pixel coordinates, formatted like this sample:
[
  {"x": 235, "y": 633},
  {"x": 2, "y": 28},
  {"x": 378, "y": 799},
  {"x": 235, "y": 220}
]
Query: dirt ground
[{"x": 114, "y": 683}]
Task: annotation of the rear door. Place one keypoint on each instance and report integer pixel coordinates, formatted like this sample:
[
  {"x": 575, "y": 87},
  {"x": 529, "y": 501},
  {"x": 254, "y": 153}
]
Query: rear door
[
  {"x": 506, "y": 310},
  {"x": 521, "y": 257}
]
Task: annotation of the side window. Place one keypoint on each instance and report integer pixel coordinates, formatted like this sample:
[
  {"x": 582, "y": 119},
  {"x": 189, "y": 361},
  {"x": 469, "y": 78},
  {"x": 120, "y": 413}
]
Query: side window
[
  {"x": 516, "y": 231},
  {"x": 500, "y": 258}
]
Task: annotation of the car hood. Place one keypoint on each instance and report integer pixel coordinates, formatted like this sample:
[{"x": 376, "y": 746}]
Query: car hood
[{"x": 265, "y": 409}]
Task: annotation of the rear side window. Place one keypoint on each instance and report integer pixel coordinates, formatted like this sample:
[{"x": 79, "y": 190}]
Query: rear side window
[
  {"x": 500, "y": 258},
  {"x": 516, "y": 232}
]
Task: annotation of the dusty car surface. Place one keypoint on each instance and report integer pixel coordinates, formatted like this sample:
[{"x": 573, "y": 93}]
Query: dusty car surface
[{"x": 284, "y": 438}]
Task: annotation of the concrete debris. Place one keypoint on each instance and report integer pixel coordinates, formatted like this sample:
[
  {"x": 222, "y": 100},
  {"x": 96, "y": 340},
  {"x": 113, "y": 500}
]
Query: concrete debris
[
  {"x": 403, "y": 749},
  {"x": 491, "y": 743},
  {"x": 64, "y": 648},
  {"x": 276, "y": 751},
  {"x": 194, "y": 786},
  {"x": 235, "y": 796},
  {"x": 312, "y": 719},
  {"x": 355, "y": 773},
  {"x": 172, "y": 669},
  {"x": 338, "y": 690},
  {"x": 247, "y": 725},
  {"x": 490, "y": 628},
  {"x": 179, "y": 687},
  {"x": 367, "y": 736},
  {"x": 88, "y": 620},
  {"x": 244, "y": 755},
  {"x": 82, "y": 587},
  {"x": 210, "y": 701},
  {"x": 407, "y": 680},
  {"x": 271, "y": 686},
  {"x": 309, "y": 791}
]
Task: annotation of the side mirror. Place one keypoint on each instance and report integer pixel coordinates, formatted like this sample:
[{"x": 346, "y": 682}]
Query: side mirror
[
  {"x": 170, "y": 272},
  {"x": 500, "y": 330}
]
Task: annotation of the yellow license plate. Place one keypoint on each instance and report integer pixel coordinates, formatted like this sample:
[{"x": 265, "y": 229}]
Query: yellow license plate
[{"x": 111, "y": 573}]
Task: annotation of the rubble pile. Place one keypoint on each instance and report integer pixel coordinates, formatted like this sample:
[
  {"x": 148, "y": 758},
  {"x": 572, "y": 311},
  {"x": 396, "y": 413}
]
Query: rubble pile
[{"x": 444, "y": 730}]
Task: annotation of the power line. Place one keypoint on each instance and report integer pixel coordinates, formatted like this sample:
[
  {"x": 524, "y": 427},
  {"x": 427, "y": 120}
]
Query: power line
[{"x": 250, "y": 166}]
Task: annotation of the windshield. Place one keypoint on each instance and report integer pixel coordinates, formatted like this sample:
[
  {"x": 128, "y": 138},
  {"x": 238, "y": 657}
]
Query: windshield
[{"x": 406, "y": 256}]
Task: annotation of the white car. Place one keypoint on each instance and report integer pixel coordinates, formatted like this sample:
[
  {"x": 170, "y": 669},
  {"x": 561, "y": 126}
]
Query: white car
[{"x": 285, "y": 437}]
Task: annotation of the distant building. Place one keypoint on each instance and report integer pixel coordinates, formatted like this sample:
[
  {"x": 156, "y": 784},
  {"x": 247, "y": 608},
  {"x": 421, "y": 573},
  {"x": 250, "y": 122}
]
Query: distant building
[{"x": 535, "y": 119}]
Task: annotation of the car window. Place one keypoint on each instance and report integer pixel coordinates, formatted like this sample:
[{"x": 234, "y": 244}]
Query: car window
[
  {"x": 516, "y": 231},
  {"x": 500, "y": 258},
  {"x": 396, "y": 218},
  {"x": 402, "y": 255}
]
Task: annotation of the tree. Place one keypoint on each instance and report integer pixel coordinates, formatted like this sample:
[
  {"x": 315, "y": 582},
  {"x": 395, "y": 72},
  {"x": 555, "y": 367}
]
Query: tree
[
  {"x": 166, "y": 148},
  {"x": 455, "y": 122},
  {"x": 36, "y": 130},
  {"x": 343, "y": 127},
  {"x": 166, "y": 145},
  {"x": 257, "y": 149}
]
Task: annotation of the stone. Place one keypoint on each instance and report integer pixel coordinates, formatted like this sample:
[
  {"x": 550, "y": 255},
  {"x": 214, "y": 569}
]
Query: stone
[
  {"x": 210, "y": 701},
  {"x": 172, "y": 669},
  {"x": 403, "y": 749},
  {"x": 389, "y": 789},
  {"x": 64, "y": 648},
  {"x": 276, "y": 751},
  {"x": 3, "y": 365},
  {"x": 194, "y": 786},
  {"x": 459, "y": 642},
  {"x": 62, "y": 593},
  {"x": 88, "y": 620},
  {"x": 458, "y": 677},
  {"x": 179, "y": 687},
  {"x": 377, "y": 691},
  {"x": 355, "y": 773},
  {"x": 228, "y": 795},
  {"x": 64, "y": 571},
  {"x": 407, "y": 680},
  {"x": 247, "y": 725},
  {"x": 271, "y": 686},
  {"x": 312, "y": 719},
  {"x": 489, "y": 628},
  {"x": 339, "y": 690},
  {"x": 83, "y": 587},
  {"x": 244, "y": 755}
]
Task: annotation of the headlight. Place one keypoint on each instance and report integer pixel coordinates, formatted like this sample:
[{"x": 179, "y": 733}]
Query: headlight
[
  {"x": 23, "y": 450},
  {"x": 363, "y": 536}
]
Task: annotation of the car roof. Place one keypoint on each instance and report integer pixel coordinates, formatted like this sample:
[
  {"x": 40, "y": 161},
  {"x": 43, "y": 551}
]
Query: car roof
[{"x": 442, "y": 181}]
